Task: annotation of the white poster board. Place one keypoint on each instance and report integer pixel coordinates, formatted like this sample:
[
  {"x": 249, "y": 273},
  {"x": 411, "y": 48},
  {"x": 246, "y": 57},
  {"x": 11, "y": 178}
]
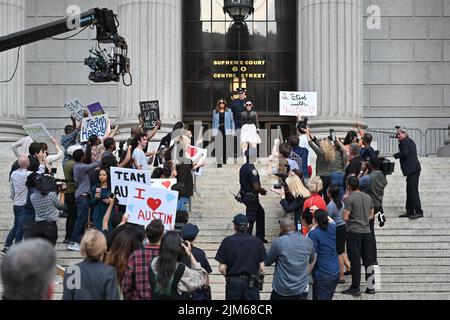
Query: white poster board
[
  {"x": 38, "y": 133},
  {"x": 146, "y": 204},
  {"x": 122, "y": 177},
  {"x": 166, "y": 184},
  {"x": 294, "y": 103},
  {"x": 94, "y": 125},
  {"x": 75, "y": 109}
]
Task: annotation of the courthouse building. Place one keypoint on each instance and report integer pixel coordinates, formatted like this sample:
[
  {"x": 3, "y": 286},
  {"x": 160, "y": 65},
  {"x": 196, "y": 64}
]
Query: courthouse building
[{"x": 382, "y": 71}]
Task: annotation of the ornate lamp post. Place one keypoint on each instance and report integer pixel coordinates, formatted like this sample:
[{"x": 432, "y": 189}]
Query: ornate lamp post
[{"x": 238, "y": 10}]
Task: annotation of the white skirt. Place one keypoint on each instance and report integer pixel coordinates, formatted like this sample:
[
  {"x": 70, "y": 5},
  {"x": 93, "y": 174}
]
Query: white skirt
[{"x": 249, "y": 134}]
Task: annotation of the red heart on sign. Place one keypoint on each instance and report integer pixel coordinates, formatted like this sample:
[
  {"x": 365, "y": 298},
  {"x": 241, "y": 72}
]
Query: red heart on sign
[
  {"x": 192, "y": 152},
  {"x": 166, "y": 184},
  {"x": 153, "y": 203}
]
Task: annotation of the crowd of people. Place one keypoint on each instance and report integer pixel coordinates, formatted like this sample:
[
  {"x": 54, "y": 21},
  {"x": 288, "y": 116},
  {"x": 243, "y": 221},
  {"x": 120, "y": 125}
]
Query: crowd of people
[{"x": 330, "y": 225}]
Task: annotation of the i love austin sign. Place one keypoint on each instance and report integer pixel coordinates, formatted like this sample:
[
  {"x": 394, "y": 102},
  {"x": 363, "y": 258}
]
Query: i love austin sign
[{"x": 146, "y": 203}]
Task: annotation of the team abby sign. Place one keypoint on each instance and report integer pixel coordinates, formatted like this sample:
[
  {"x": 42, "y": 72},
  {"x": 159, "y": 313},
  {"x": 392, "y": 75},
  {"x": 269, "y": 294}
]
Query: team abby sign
[{"x": 146, "y": 203}]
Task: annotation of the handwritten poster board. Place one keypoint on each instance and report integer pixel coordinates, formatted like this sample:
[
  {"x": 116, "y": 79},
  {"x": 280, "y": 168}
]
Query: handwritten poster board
[
  {"x": 75, "y": 109},
  {"x": 163, "y": 183},
  {"x": 146, "y": 204},
  {"x": 94, "y": 125},
  {"x": 96, "y": 109},
  {"x": 294, "y": 103},
  {"x": 150, "y": 110},
  {"x": 121, "y": 177},
  {"x": 38, "y": 133}
]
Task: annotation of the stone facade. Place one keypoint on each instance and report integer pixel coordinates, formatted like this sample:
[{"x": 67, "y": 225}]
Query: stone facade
[
  {"x": 407, "y": 65},
  {"x": 405, "y": 77}
]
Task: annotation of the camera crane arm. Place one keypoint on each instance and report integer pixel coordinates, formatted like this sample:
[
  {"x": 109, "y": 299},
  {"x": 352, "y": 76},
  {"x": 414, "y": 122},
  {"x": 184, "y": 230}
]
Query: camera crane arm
[{"x": 103, "y": 19}]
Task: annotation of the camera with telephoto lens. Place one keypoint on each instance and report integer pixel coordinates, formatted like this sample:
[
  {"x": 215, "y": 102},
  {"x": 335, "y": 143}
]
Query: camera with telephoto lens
[
  {"x": 302, "y": 125},
  {"x": 46, "y": 183},
  {"x": 381, "y": 219},
  {"x": 387, "y": 167}
]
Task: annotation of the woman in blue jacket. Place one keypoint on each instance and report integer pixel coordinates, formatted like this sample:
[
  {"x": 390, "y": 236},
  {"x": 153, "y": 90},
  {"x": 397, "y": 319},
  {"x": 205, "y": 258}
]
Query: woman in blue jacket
[{"x": 223, "y": 122}]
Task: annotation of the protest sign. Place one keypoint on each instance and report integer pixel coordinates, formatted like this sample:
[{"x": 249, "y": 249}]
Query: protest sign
[
  {"x": 96, "y": 109},
  {"x": 298, "y": 103},
  {"x": 150, "y": 111},
  {"x": 94, "y": 125},
  {"x": 163, "y": 183},
  {"x": 38, "y": 133},
  {"x": 75, "y": 109},
  {"x": 196, "y": 154},
  {"x": 121, "y": 177},
  {"x": 146, "y": 204}
]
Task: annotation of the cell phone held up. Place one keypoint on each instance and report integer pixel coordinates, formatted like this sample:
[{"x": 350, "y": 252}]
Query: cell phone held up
[{"x": 332, "y": 136}]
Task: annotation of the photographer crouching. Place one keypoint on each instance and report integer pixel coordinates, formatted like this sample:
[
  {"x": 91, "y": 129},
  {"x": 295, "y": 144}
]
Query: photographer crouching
[{"x": 46, "y": 205}]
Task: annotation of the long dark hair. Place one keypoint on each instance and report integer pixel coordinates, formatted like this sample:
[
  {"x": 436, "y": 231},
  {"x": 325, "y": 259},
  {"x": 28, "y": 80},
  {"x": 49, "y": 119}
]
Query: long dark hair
[
  {"x": 126, "y": 242},
  {"x": 108, "y": 174},
  {"x": 334, "y": 195},
  {"x": 351, "y": 137},
  {"x": 169, "y": 254}
]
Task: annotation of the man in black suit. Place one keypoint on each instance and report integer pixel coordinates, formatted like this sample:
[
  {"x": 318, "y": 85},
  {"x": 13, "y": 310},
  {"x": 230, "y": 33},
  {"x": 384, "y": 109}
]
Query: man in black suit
[{"x": 411, "y": 169}]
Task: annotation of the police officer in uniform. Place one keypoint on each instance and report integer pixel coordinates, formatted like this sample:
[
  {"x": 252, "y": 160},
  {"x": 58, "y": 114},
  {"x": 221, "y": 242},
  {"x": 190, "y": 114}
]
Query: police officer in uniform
[
  {"x": 241, "y": 260},
  {"x": 250, "y": 191},
  {"x": 238, "y": 106}
]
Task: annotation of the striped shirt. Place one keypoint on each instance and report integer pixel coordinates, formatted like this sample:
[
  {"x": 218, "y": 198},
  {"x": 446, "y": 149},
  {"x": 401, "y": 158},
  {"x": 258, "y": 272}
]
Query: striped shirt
[{"x": 44, "y": 206}]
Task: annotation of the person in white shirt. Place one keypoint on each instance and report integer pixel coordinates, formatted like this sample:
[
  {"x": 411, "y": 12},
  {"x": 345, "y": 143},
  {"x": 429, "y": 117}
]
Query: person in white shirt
[
  {"x": 140, "y": 158},
  {"x": 18, "y": 192},
  {"x": 21, "y": 147}
]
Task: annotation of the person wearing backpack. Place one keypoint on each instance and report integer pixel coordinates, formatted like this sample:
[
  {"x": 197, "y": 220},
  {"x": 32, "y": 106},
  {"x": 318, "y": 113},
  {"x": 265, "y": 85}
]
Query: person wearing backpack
[{"x": 169, "y": 278}]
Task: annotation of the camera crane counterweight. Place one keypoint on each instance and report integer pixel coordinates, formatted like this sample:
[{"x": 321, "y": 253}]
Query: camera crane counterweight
[{"x": 105, "y": 68}]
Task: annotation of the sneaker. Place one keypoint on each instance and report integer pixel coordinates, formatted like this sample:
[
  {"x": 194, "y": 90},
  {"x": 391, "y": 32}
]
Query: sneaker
[
  {"x": 416, "y": 216},
  {"x": 73, "y": 246},
  {"x": 352, "y": 291},
  {"x": 370, "y": 291},
  {"x": 4, "y": 251}
]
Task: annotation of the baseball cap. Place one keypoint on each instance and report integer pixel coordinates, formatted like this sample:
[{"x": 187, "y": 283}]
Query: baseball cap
[
  {"x": 72, "y": 149},
  {"x": 240, "y": 220},
  {"x": 189, "y": 232}
]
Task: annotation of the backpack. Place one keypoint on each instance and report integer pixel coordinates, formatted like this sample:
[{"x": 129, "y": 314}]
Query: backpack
[{"x": 174, "y": 295}]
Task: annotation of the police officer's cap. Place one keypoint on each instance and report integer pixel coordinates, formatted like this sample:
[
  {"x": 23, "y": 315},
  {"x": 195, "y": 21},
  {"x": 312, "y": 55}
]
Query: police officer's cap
[
  {"x": 240, "y": 220},
  {"x": 241, "y": 90},
  {"x": 189, "y": 232}
]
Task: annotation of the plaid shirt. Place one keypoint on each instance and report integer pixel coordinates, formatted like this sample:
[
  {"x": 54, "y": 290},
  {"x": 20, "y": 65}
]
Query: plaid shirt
[
  {"x": 135, "y": 283},
  {"x": 296, "y": 158},
  {"x": 44, "y": 206}
]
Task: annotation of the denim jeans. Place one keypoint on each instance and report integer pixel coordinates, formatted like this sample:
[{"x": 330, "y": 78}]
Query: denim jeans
[
  {"x": 19, "y": 211},
  {"x": 27, "y": 218},
  {"x": 183, "y": 203},
  {"x": 324, "y": 287},
  {"x": 276, "y": 296},
  {"x": 82, "y": 204}
]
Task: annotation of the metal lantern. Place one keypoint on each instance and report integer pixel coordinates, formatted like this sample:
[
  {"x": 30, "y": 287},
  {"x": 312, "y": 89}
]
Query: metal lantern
[{"x": 238, "y": 10}]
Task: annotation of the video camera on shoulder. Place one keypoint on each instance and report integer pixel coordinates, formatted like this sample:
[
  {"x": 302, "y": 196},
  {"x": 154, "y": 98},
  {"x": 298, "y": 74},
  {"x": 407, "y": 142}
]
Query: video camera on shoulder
[{"x": 387, "y": 167}]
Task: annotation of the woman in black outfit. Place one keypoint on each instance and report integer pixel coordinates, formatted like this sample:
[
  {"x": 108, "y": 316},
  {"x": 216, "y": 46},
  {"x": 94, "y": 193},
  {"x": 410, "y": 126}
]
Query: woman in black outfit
[{"x": 250, "y": 128}]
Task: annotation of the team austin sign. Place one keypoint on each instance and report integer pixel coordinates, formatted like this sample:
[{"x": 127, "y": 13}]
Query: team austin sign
[
  {"x": 146, "y": 203},
  {"x": 298, "y": 103},
  {"x": 122, "y": 177}
]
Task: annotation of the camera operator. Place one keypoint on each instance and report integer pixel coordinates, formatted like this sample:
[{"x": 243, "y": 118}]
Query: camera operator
[
  {"x": 46, "y": 204},
  {"x": 411, "y": 169},
  {"x": 331, "y": 161},
  {"x": 372, "y": 181}
]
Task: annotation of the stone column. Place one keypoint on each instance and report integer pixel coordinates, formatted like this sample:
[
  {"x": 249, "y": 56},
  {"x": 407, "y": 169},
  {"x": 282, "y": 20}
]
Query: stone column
[
  {"x": 152, "y": 29},
  {"x": 330, "y": 61},
  {"x": 12, "y": 94}
]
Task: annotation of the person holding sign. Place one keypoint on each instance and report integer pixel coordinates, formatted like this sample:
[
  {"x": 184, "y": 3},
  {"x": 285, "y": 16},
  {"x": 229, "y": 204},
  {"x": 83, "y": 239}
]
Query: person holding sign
[
  {"x": 223, "y": 122},
  {"x": 140, "y": 158},
  {"x": 250, "y": 128}
]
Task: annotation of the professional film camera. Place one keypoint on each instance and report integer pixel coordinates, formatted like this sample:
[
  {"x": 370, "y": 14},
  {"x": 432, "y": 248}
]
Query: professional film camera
[
  {"x": 302, "y": 125},
  {"x": 48, "y": 183}
]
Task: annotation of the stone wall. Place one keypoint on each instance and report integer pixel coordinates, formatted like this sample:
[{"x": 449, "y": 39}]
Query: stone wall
[{"x": 407, "y": 64}]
